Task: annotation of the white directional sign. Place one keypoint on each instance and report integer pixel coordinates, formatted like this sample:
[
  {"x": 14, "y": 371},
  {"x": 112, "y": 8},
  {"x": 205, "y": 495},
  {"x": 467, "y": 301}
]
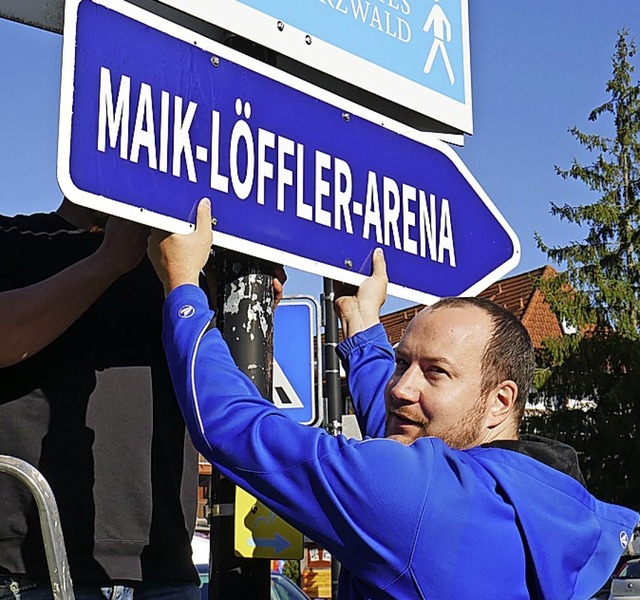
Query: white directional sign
[{"x": 412, "y": 52}]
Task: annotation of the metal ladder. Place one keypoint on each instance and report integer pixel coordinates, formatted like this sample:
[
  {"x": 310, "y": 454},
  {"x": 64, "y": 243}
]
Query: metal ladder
[{"x": 53, "y": 539}]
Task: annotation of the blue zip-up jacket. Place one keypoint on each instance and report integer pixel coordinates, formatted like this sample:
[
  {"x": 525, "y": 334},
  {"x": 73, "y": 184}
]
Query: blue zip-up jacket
[{"x": 420, "y": 521}]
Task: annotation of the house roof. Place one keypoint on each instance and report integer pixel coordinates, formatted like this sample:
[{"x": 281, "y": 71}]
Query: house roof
[{"x": 517, "y": 294}]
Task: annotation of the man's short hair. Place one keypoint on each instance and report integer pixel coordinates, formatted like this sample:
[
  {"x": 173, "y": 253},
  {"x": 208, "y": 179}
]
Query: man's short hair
[{"x": 509, "y": 353}]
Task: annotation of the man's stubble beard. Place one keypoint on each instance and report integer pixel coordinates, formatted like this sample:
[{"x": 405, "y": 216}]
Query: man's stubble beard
[
  {"x": 464, "y": 434},
  {"x": 467, "y": 432}
]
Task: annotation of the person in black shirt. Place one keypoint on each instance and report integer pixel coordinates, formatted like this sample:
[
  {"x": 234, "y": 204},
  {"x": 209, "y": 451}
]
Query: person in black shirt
[{"x": 85, "y": 397}]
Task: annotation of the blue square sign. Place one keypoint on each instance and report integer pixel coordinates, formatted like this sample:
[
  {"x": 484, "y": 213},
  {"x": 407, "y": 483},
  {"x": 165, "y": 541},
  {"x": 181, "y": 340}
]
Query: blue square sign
[{"x": 297, "y": 385}]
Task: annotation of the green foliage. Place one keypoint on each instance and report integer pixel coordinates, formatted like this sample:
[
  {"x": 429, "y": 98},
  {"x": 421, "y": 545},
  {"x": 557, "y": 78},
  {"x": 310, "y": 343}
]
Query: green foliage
[
  {"x": 604, "y": 267},
  {"x": 605, "y": 433},
  {"x": 588, "y": 366},
  {"x": 607, "y": 447},
  {"x": 598, "y": 293},
  {"x": 291, "y": 569}
]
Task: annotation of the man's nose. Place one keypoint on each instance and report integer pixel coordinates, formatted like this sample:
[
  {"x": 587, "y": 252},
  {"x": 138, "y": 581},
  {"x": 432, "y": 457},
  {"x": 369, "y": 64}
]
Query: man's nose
[{"x": 406, "y": 387}]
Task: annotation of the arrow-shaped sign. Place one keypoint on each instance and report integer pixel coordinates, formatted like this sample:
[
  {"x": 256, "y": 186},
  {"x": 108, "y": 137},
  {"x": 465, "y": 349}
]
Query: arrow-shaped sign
[
  {"x": 296, "y": 175},
  {"x": 260, "y": 533},
  {"x": 277, "y": 543}
]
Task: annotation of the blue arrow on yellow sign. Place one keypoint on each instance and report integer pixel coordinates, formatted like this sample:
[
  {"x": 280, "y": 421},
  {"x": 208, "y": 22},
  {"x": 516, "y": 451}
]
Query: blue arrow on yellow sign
[{"x": 260, "y": 533}]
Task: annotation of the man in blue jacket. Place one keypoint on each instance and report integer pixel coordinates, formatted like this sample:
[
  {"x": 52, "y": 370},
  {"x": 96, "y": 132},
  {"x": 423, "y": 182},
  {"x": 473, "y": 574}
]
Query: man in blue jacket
[{"x": 452, "y": 503}]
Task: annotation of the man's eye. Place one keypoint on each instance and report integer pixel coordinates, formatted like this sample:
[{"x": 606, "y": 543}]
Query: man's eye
[
  {"x": 401, "y": 364},
  {"x": 436, "y": 369}
]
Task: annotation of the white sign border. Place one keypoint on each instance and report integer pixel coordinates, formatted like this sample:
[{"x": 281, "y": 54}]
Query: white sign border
[
  {"x": 317, "y": 372},
  {"x": 146, "y": 217},
  {"x": 263, "y": 29}
]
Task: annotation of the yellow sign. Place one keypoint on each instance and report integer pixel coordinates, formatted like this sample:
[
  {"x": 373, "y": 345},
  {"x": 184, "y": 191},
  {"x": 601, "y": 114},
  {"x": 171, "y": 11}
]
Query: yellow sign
[
  {"x": 260, "y": 533},
  {"x": 317, "y": 583},
  {"x": 322, "y": 581}
]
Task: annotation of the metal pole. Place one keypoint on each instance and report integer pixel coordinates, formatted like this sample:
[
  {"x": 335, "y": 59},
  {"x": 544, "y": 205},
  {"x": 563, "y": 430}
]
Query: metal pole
[
  {"x": 52, "y": 537},
  {"x": 245, "y": 293},
  {"x": 331, "y": 362},
  {"x": 335, "y": 407}
]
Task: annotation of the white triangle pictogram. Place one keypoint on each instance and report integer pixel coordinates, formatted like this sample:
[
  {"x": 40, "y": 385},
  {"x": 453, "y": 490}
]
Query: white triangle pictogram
[{"x": 283, "y": 394}]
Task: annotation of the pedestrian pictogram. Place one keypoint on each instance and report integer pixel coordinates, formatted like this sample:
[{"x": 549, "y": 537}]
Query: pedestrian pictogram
[{"x": 437, "y": 20}]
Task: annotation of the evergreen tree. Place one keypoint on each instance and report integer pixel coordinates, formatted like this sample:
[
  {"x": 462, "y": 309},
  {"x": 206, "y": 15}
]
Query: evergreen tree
[
  {"x": 292, "y": 571},
  {"x": 598, "y": 293}
]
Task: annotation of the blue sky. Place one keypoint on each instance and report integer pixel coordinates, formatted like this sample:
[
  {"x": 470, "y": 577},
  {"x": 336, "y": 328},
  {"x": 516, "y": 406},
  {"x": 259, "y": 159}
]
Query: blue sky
[{"x": 537, "y": 69}]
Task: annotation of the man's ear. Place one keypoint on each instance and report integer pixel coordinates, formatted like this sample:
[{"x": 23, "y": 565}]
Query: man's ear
[{"x": 502, "y": 400}]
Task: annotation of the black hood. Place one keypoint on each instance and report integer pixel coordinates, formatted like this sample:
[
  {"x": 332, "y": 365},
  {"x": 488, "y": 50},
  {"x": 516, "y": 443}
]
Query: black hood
[{"x": 550, "y": 452}]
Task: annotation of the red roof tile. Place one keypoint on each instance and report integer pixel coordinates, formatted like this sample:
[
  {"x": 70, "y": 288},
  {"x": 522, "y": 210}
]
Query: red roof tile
[{"x": 517, "y": 294}]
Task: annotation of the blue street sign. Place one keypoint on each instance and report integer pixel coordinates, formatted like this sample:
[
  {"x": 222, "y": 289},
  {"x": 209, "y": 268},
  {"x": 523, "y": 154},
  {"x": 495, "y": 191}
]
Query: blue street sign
[
  {"x": 155, "y": 117},
  {"x": 296, "y": 387},
  {"x": 412, "y": 52}
]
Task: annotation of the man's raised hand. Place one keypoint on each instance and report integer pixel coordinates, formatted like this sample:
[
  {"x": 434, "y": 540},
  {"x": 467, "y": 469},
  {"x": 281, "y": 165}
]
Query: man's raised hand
[
  {"x": 178, "y": 259},
  {"x": 359, "y": 308}
]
